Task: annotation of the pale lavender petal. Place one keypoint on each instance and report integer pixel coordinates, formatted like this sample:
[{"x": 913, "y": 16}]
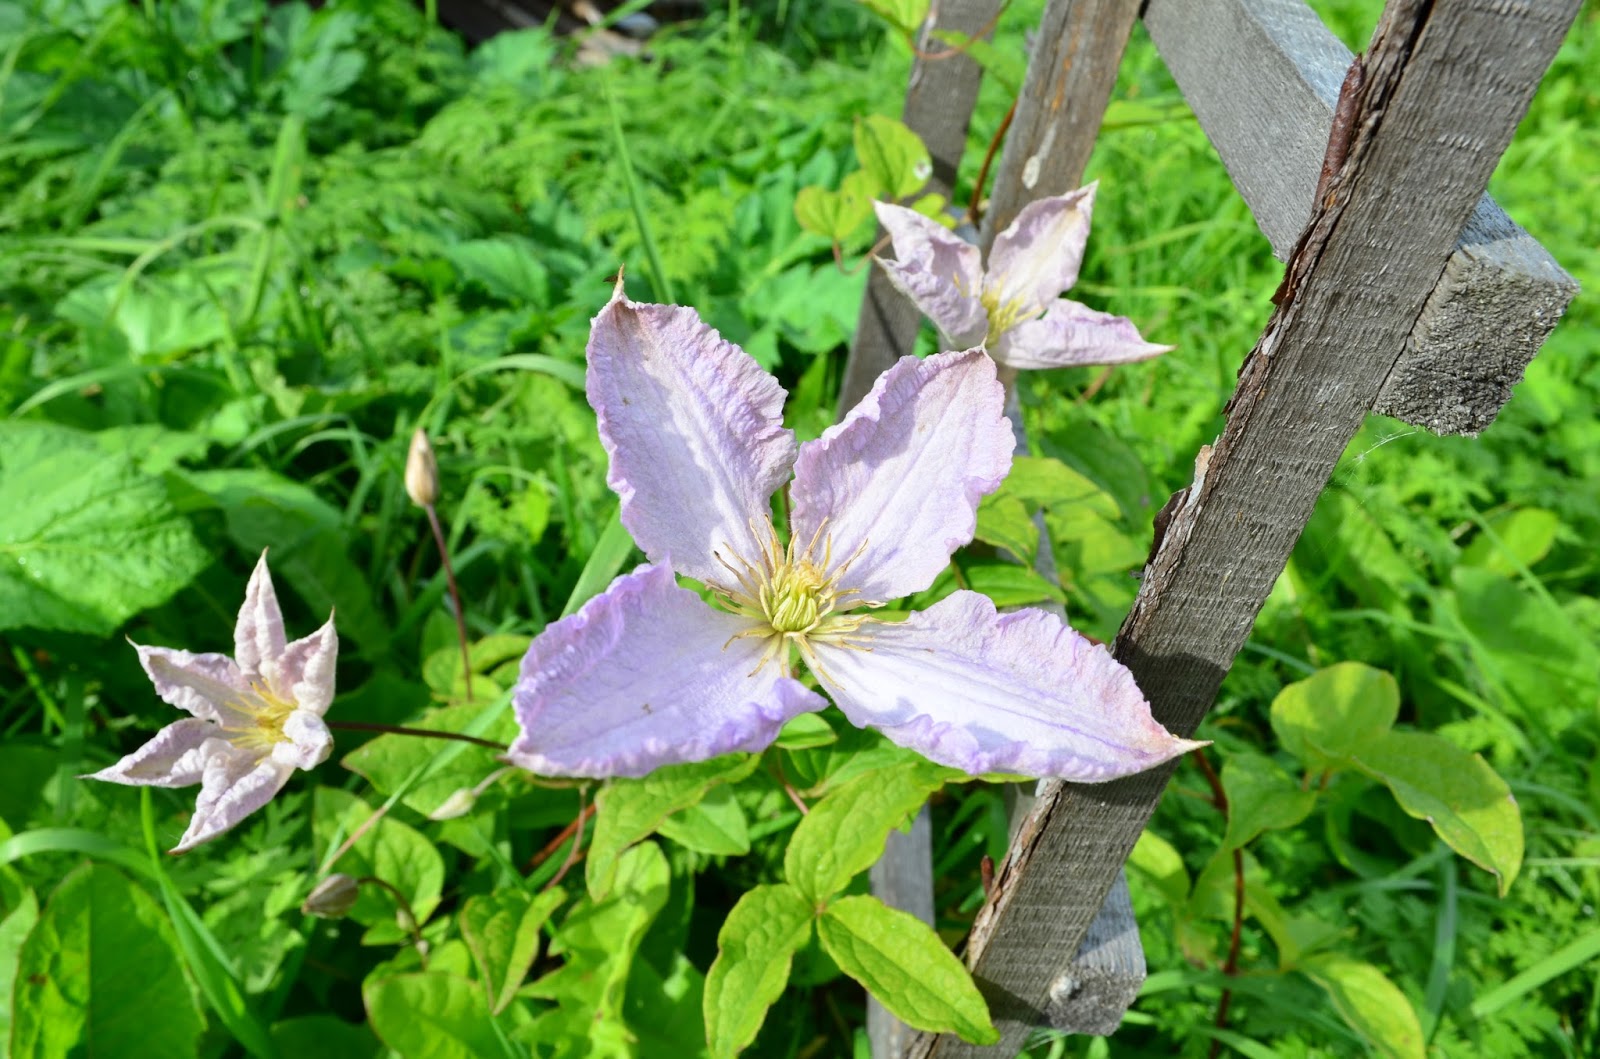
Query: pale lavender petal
[
  {"x": 1038, "y": 257},
  {"x": 987, "y": 692},
  {"x": 235, "y": 785},
  {"x": 308, "y": 744},
  {"x": 900, "y": 478},
  {"x": 694, "y": 429},
  {"x": 174, "y": 757},
  {"x": 258, "y": 638},
  {"x": 940, "y": 272},
  {"x": 304, "y": 674},
  {"x": 209, "y": 686},
  {"x": 645, "y": 675},
  {"x": 1070, "y": 334}
]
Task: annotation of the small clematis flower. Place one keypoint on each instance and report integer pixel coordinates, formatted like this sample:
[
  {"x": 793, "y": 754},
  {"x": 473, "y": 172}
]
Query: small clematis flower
[
  {"x": 648, "y": 674},
  {"x": 256, "y": 717},
  {"x": 1013, "y": 307}
]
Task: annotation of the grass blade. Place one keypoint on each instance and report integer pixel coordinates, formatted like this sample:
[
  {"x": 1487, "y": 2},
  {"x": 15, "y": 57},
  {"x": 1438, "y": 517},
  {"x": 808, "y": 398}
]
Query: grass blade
[{"x": 605, "y": 561}]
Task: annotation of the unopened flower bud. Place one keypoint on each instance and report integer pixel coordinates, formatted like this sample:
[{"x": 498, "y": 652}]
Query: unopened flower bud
[
  {"x": 333, "y": 897},
  {"x": 422, "y": 471}
]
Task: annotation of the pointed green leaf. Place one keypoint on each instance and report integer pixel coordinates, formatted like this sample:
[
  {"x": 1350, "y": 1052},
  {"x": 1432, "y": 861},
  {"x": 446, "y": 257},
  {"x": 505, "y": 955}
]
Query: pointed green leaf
[
  {"x": 715, "y": 825},
  {"x": 754, "y": 949},
  {"x": 390, "y": 850},
  {"x": 630, "y": 810},
  {"x": 892, "y": 155},
  {"x": 431, "y": 1016},
  {"x": 1513, "y": 541},
  {"x": 844, "y": 833},
  {"x": 1261, "y": 797},
  {"x": 100, "y": 974},
  {"x": 1327, "y": 718},
  {"x": 502, "y": 931},
  {"x": 1464, "y": 799},
  {"x": 804, "y": 731},
  {"x": 836, "y": 214},
  {"x": 1372, "y": 1005},
  {"x": 902, "y": 963}
]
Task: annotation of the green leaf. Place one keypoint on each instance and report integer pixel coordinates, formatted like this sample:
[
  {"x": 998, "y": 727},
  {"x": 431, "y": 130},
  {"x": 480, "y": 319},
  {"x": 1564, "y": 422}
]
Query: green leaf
[
  {"x": 806, "y": 730},
  {"x": 502, "y": 931},
  {"x": 507, "y": 267},
  {"x": 716, "y": 825},
  {"x": 755, "y": 947},
  {"x": 844, "y": 833},
  {"x": 1327, "y": 718},
  {"x": 1512, "y": 541},
  {"x": 1467, "y": 803},
  {"x": 892, "y": 156},
  {"x": 390, "y": 850},
  {"x": 1004, "y": 521},
  {"x": 390, "y": 760},
  {"x": 610, "y": 552},
  {"x": 902, "y": 963},
  {"x": 666, "y": 1013},
  {"x": 835, "y": 215},
  {"x": 95, "y": 542},
  {"x": 100, "y": 974},
  {"x": 1261, "y": 797},
  {"x": 1010, "y": 585},
  {"x": 1162, "y": 864},
  {"x": 1051, "y": 483},
  {"x": 14, "y": 929},
  {"x": 432, "y": 1016},
  {"x": 1372, "y": 1005},
  {"x": 324, "y": 1037},
  {"x": 905, "y": 15},
  {"x": 630, "y": 810}
]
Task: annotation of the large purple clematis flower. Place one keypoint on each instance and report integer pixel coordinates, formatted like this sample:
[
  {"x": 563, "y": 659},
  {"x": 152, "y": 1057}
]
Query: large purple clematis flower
[
  {"x": 647, "y": 674},
  {"x": 256, "y": 717},
  {"x": 1012, "y": 308}
]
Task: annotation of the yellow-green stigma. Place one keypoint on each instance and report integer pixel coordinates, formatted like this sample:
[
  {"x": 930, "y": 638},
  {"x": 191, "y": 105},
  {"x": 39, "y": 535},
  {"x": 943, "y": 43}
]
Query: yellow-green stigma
[
  {"x": 1002, "y": 317},
  {"x": 791, "y": 596},
  {"x": 269, "y": 714}
]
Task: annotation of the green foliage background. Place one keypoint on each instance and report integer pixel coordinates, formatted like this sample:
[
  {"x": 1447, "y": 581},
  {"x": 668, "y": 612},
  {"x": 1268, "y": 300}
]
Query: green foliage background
[{"x": 244, "y": 251}]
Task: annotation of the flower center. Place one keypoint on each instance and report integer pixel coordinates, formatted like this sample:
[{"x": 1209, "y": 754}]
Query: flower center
[
  {"x": 268, "y": 714},
  {"x": 1003, "y": 316},
  {"x": 790, "y": 595}
]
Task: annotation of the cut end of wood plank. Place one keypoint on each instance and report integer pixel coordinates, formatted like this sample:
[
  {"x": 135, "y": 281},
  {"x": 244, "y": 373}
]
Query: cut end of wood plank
[{"x": 1093, "y": 994}]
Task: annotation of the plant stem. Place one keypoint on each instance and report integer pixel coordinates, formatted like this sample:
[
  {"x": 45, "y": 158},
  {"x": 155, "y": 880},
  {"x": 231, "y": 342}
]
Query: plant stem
[
  {"x": 410, "y": 922},
  {"x": 424, "y": 733},
  {"x": 455, "y": 597},
  {"x": 988, "y": 158}
]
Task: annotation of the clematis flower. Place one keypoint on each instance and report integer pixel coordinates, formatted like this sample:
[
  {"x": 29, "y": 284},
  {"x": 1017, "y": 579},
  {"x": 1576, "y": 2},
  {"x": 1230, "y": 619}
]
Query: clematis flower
[
  {"x": 648, "y": 674},
  {"x": 1012, "y": 308},
  {"x": 256, "y": 717}
]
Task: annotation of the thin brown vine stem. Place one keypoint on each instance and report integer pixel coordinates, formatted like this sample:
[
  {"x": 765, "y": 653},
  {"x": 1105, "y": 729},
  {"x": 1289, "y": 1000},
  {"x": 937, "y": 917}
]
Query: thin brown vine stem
[
  {"x": 577, "y": 841},
  {"x": 566, "y": 832},
  {"x": 455, "y": 596},
  {"x": 951, "y": 53},
  {"x": 410, "y": 924},
  {"x": 838, "y": 256},
  {"x": 988, "y": 159},
  {"x": 423, "y": 733},
  {"x": 1230, "y": 967},
  {"x": 1219, "y": 797}
]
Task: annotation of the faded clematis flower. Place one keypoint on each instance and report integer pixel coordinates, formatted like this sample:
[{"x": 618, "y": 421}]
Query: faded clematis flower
[
  {"x": 1012, "y": 308},
  {"x": 648, "y": 674},
  {"x": 256, "y": 717}
]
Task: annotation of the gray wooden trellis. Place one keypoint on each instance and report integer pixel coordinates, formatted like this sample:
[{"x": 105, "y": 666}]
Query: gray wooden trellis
[{"x": 1463, "y": 302}]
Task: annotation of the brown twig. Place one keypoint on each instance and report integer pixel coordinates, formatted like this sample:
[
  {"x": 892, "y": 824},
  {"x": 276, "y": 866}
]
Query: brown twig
[
  {"x": 951, "y": 53},
  {"x": 1230, "y": 966},
  {"x": 556, "y": 843},
  {"x": 425, "y": 733},
  {"x": 577, "y": 841},
  {"x": 988, "y": 159}
]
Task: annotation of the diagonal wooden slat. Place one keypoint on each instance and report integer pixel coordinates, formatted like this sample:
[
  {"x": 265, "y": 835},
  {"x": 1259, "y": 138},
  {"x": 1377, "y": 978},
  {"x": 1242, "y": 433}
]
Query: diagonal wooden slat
[{"x": 1446, "y": 82}]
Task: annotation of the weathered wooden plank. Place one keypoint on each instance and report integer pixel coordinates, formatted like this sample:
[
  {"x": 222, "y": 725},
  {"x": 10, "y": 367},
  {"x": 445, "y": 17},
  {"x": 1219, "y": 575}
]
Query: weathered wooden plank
[
  {"x": 903, "y": 878},
  {"x": 1262, "y": 76},
  {"x": 1071, "y": 73},
  {"x": 1446, "y": 82},
  {"x": 938, "y": 108},
  {"x": 1102, "y": 982}
]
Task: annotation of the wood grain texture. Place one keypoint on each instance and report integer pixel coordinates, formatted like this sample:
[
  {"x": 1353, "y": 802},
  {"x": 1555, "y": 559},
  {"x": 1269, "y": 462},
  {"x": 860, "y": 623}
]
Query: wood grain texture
[
  {"x": 1446, "y": 83},
  {"x": 1099, "y": 986},
  {"x": 939, "y": 101},
  {"x": 1263, "y": 77},
  {"x": 1071, "y": 73}
]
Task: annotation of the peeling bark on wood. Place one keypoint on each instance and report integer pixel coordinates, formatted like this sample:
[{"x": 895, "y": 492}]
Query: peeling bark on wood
[
  {"x": 1263, "y": 77},
  {"x": 938, "y": 108},
  {"x": 1446, "y": 83}
]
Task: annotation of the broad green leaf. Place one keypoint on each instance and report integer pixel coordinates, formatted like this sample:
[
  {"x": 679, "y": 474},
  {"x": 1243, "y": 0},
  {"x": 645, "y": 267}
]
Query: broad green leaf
[
  {"x": 431, "y": 1016},
  {"x": 494, "y": 657},
  {"x": 1051, "y": 483},
  {"x": 1261, "y": 797},
  {"x": 100, "y": 974},
  {"x": 1010, "y": 585},
  {"x": 1161, "y": 863},
  {"x": 390, "y": 760},
  {"x": 892, "y": 155},
  {"x": 324, "y": 1037},
  {"x": 508, "y": 267},
  {"x": 818, "y": 770},
  {"x": 14, "y": 929},
  {"x": 666, "y": 1013},
  {"x": 1327, "y": 718},
  {"x": 835, "y": 215},
  {"x": 1372, "y": 1005},
  {"x": 715, "y": 824},
  {"x": 905, "y": 15},
  {"x": 1514, "y": 541},
  {"x": 902, "y": 963},
  {"x": 932, "y": 206},
  {"x": 1004, "y": 521},
  {"x": 502, "y": 931},
  {"x": 757, "y": 942},
  {"x": 1467, "y": 803},
  {"x": 844, "y": 833},
  {"x": 629, "y": 810},
  {"x": 390, "y": 850},
  {"x": 86, "y": 541},
  {"x": 804, "y": 731},
  {"x": 1531, "y": 644}
]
